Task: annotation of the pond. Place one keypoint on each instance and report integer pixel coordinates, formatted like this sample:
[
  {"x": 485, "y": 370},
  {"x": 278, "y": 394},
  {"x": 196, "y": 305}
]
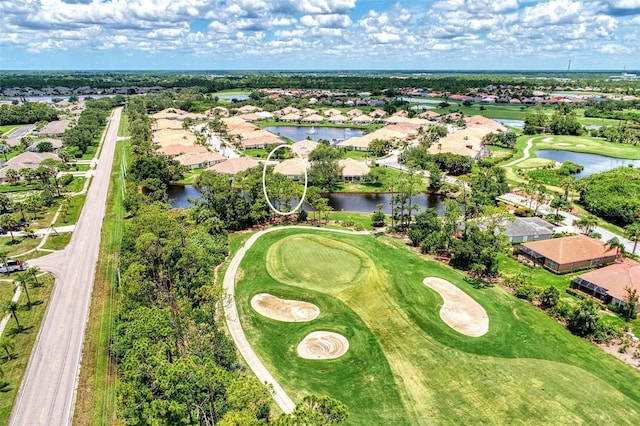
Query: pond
[
  {"x": 352, "y": 202},
  {"x": 592, "y": 163},
  {"x": 518, "y": 124},
  {"x": 237, "y": 97},
  {"x": 298, "y": 133}
]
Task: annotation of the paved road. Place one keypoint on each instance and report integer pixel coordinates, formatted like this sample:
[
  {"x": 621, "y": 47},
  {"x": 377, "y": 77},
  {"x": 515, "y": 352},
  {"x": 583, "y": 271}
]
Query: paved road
[
  {"x": 281, "y": 398},
  {"x": 47, "y": 393}
]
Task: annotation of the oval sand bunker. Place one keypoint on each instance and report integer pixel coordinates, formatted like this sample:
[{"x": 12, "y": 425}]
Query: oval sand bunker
[
  {"x": 284, "y": 310},
  {"x": 459, "y": 310},
  {"x": 323, "y": 345}
]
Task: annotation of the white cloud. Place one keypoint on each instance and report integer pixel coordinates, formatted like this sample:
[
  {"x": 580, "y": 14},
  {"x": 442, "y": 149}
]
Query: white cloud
[{"x": 326, "y": 21}]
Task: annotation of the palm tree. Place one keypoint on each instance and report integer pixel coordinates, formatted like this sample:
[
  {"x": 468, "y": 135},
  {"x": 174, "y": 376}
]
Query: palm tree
[
  {"x": 29, "y": 232},
  {"x": 33, "y": 270},
  {"x": 21, "y": 282},
  {"x": 633, "y": 233},
  {"x": 11, "y": 308},
  {"x": 8, "y": 346},
  {"x": 586, "y": 223},
  {"x": 567, "y": 184},
  {"x": 8, "y": 222},
  {"x": 617, "y": 244},
  {"x": 3, "y": 258}
]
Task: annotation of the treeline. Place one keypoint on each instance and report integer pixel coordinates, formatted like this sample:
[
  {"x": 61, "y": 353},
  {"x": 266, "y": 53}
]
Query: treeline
[
  {"x": 613, "y": 195},
  {"x": 176, "y": 363},
  {"x": 26, "y": 113},
  {"x": 209, "y": 82},
  {"x": 84, "y": 134}
]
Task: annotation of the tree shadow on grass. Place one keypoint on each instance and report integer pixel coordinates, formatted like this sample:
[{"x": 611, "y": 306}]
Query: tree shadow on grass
[
  {"x": 19, "y": 330},
  {"x": 4, "y": 387}
]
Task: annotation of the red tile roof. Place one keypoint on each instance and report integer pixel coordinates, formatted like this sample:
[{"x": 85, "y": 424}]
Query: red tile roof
[{"x": 615, "y": 278}]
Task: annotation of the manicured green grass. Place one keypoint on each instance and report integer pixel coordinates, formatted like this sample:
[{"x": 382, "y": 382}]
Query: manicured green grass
[
  {"x": 72, "y": 214},
  {"x": 30, "y": 319},
  {"x": 6, "y": 291},
  {"x": 505, "y": 111},
  {"x": 404, "y": 365},
  {"x": 58, "y": 242},
  {"x": 362, "y": 220},
  {"x": 8, "y": 128},
  {"x": 17, "y": 246},
  {"x": 534, "y": 163},
  {"x": 588, "y": 145},
  {"x": 360, "y": 155}
]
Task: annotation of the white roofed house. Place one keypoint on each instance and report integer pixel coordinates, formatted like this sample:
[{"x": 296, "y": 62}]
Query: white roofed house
[
  {"x": 200, "y": 160},
  {"x": 338, "y": 119},
  {"x": 291, "y": 118},
  {"x": 304, "y": 147},
  {"x": 331, "y": 112},
  {"x": 292, "y": 168},
  {"x": 362, "y": 120},
  {"x": 313, "y": 119},
  {"x": 353, "y": 170}
]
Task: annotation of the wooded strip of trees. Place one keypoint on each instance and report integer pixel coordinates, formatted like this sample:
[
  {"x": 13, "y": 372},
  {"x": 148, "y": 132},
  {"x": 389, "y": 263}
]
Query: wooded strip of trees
[
  {"x": 177, "y": 365},
  {"x": 613, "y": 195},
  {"x": 26, "y": 113}
]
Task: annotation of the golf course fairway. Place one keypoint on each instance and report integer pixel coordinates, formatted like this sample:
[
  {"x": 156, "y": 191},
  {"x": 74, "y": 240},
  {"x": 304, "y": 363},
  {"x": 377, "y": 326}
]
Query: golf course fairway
[{"x": 404, "y": 364}]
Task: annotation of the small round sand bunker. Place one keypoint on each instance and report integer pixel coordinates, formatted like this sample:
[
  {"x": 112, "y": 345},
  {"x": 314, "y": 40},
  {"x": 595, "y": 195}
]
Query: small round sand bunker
[
  {"x": 284, "y": 310},
  {"x": 323, "y": 345},
  {"x": 459, "y": 310}
]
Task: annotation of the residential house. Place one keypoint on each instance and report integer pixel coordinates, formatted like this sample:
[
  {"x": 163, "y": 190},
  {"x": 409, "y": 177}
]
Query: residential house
[
  {"x": 175, "y": 150},
  {"x": 200, "y": 160},
  {"x": 304, "y": 147},
  {"x": 524, "y": 229},
  {"x": 53, "y": 128},
  {"x": 353, "y": 170},
  {"x": 609, "y": 284},
  {"x": 293, "y": 168},
  {"x": 337, "y": 119},
  {"x": 291, "y": 118},
  {"x": 568, "y": 253},
  {"x": 30, "y": 160},
  {"x": 313, "y": 119},
  {"x": 234, "y": 165}
]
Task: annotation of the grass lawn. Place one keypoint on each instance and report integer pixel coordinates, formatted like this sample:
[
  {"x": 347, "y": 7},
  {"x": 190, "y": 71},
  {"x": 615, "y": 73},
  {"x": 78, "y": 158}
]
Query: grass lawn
[
  {"x": 123, "y": 129},
  {"x": 24, "y": 340},
  {"x": 505, "y": 111},
  {"x": 58, "y": 242},
  {"x": 8, "y": 128},
  {"x": 404, "y": 365},
  {"x": 358, "y": 219},
  {"x": 72, "y": 214},
  {"x": 20, "y": 245},
  {"x": 360, "y": 155},
  {"x": 588, "y": 145},
  {"x": 6, "y": 291}
]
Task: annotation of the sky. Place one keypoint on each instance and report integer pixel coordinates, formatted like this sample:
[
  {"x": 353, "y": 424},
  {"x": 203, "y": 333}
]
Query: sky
[{"x": 319, "y": 35}]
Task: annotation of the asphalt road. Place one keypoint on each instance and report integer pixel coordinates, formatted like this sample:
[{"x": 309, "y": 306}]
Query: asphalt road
[{"x": 48, "y": 390}]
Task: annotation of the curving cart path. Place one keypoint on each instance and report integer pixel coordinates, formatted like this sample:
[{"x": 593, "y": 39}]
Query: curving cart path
[{"x": 233, "y": 323}]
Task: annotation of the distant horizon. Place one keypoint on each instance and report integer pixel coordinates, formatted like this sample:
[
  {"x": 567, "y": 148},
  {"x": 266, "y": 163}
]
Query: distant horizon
[
  {"x": 320, "y": 35},
  {"x": 334, "y": 70}
]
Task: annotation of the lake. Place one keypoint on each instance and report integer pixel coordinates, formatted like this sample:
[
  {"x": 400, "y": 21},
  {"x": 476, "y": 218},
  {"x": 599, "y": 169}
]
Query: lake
[
  {"x": 298, "y": 133},
  {"x": 518, "y": 124},
  {"x": 352, "y": 202},
  {"x": 237, "y": 97},
  {"x": 592, "y": 163}
]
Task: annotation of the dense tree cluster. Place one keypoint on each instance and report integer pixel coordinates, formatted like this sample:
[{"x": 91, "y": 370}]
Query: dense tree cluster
[
  {"x": 26, "y": 113},
  {"x": 80, "y": 137},
  {"x": 449, "y": 163},
  {"x": 613, "y": 195},
  {"x": 563, "y": 121},
  {"x": 503, "y": 139}
]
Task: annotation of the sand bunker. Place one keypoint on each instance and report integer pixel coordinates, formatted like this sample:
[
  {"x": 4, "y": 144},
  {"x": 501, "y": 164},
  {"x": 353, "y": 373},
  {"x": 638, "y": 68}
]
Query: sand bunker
[
  {"x": 563, "y": 144},
  {"x": 547, "y": 140},
  {"x": 323, "y": 345},
  {"x": 459, "y": 311},
  {"x": 284, "y": 310},
  {"x": 580, "y": 145}
]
